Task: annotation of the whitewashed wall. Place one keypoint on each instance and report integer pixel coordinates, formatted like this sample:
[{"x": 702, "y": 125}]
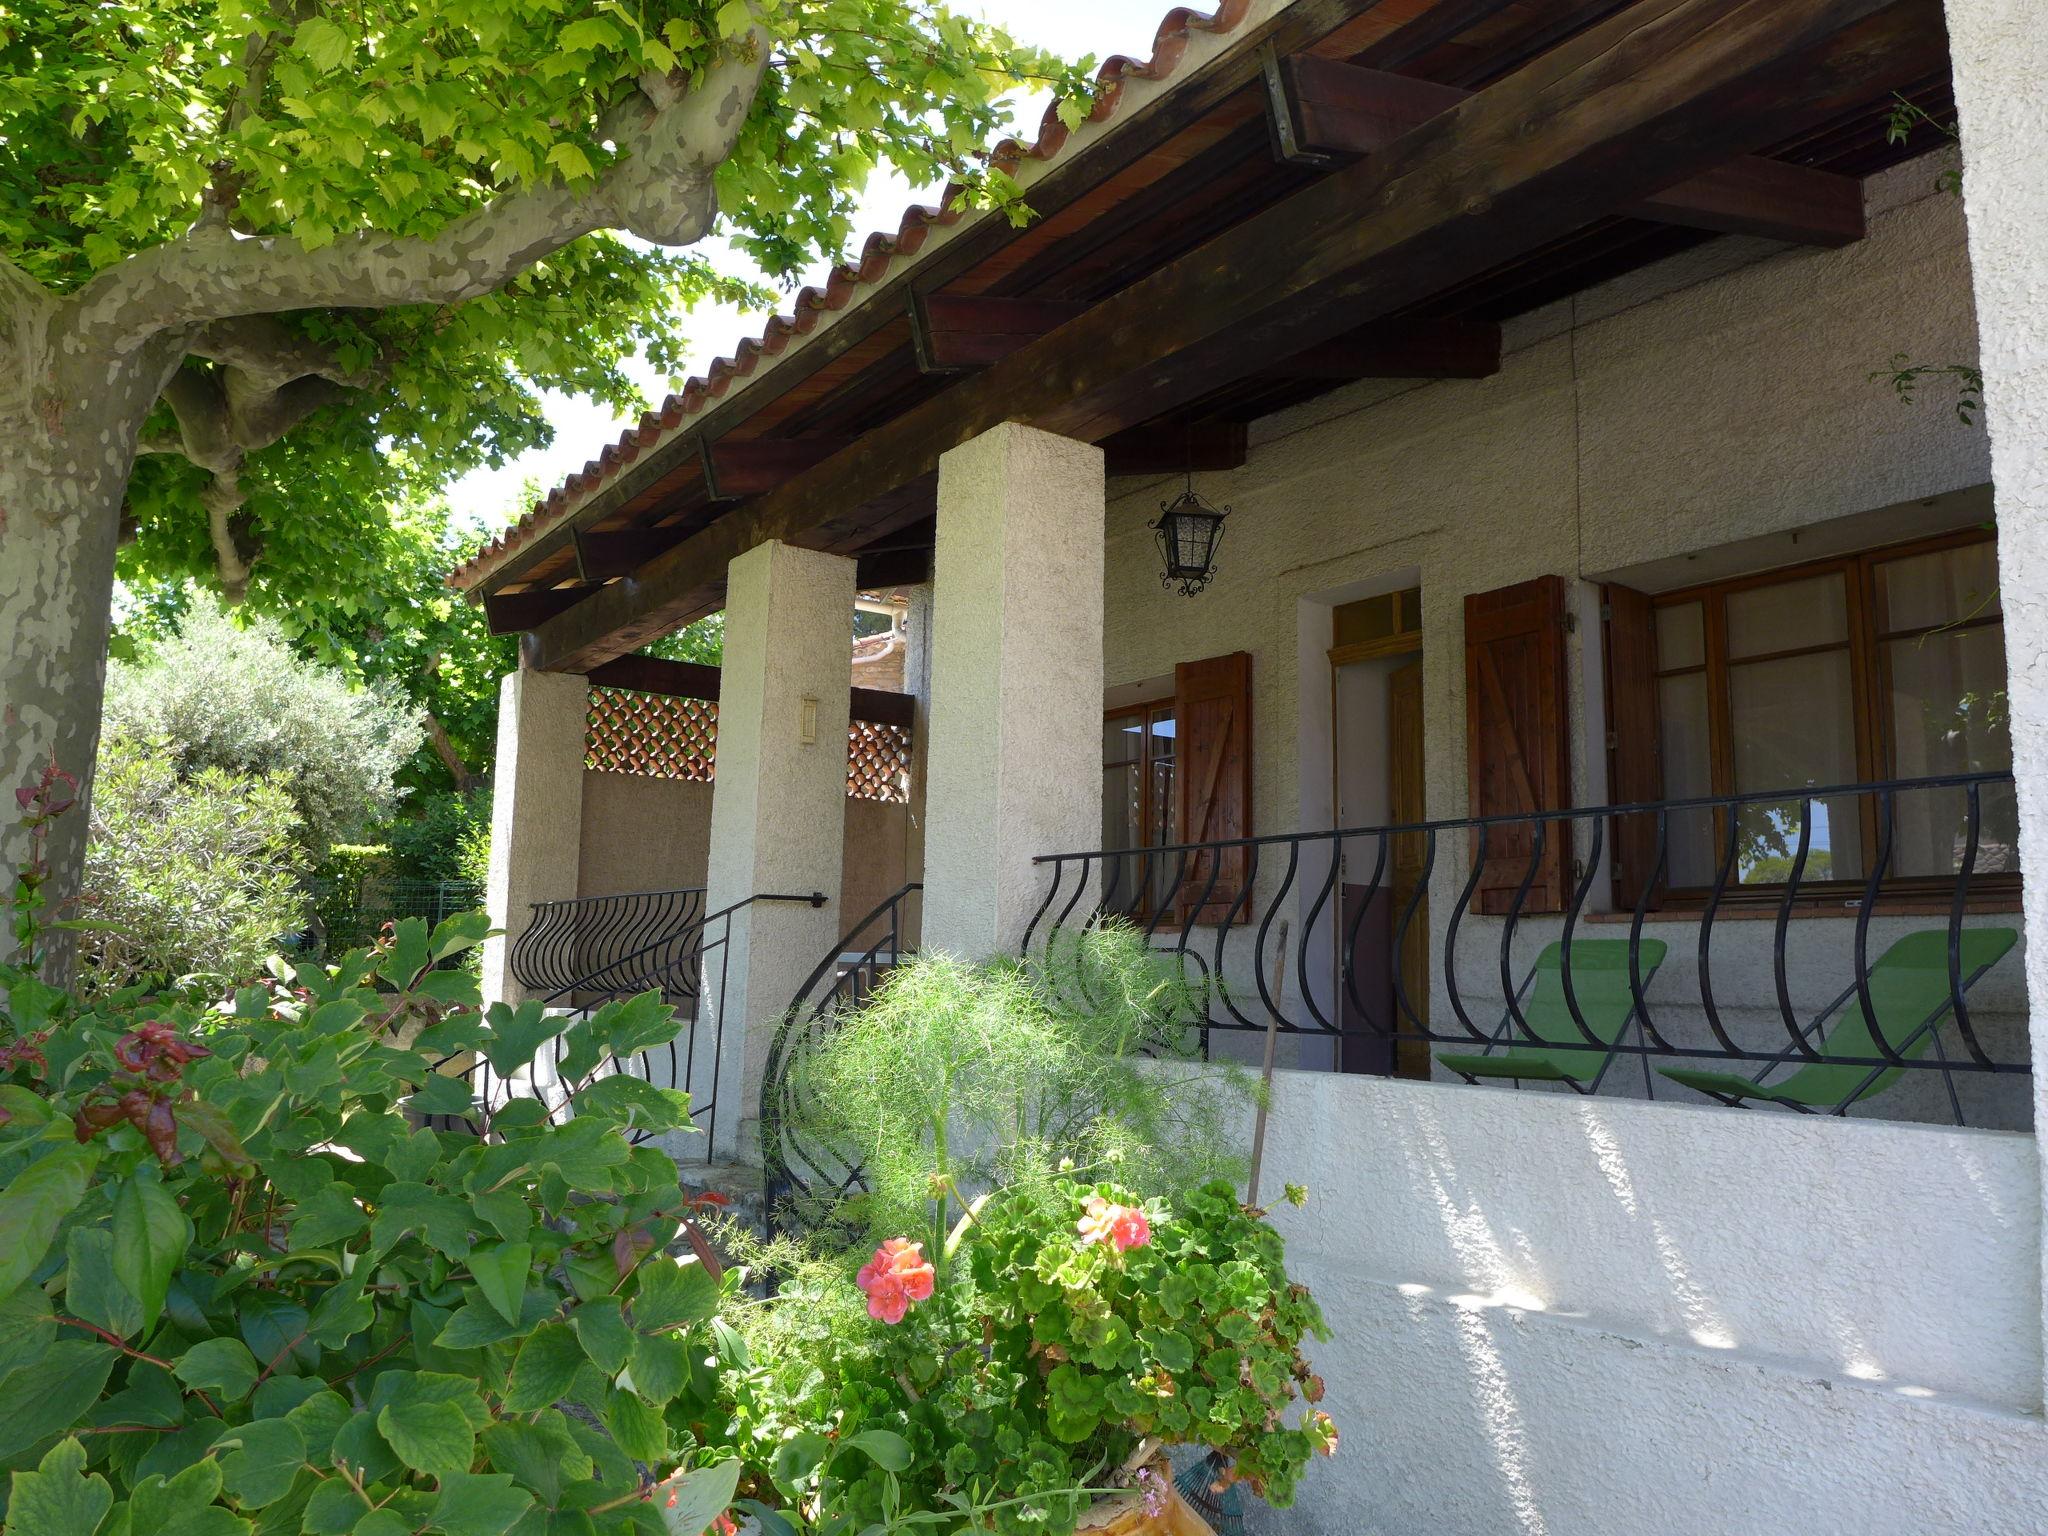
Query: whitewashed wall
[
  {"x": 1558, "y": 1316},
  {"x": 1715, "y": 413}
]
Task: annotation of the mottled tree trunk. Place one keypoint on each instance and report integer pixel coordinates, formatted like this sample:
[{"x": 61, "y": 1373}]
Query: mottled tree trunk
[{"x": 66, "y": 446}]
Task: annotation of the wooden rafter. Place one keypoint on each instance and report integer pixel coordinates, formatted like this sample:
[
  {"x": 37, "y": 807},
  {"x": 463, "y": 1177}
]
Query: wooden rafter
[{"x": 1639, "y": 103}]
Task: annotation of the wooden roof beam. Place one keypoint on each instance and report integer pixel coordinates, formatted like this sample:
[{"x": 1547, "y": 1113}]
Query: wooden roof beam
[
  {"x": 1663, "y": 91},
  {"x": 736, "y": 468},
  {"x": 1325, "y": 109},
  {"x": 508, "y": 613}
]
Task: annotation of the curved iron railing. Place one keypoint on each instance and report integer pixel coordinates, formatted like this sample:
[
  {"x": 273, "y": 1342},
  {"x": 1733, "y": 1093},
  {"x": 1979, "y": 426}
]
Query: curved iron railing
[
  {"x": 795, "y": 1165},
  {"x": 1333, "y": 901},
  {"x": 687, "y": 965},
  {"x": 567, "y": 941}
]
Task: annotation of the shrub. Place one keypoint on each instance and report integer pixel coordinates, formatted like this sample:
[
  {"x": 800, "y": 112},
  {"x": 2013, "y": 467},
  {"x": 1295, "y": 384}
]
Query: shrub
[
  {"x": 431, "y": 841},
  {"x": 245, "y": 1288},
  {"x": 231, "y": 695},
  {"x": 184, "y": 877}
]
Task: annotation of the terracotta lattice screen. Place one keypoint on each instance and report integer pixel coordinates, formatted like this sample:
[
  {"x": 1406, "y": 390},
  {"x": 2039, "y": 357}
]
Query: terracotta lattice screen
[{"x": 662, "y": 736}]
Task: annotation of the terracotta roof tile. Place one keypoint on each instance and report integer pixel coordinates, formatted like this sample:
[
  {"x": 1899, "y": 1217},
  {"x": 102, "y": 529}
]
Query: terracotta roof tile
[{"x": 878, "y": 255}]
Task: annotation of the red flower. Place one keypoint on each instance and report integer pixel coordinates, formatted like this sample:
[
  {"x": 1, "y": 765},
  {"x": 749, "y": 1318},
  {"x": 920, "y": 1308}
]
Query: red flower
[
  {"x": 1122, "y": 1226},
  {"x": 895, "y": 1277}
]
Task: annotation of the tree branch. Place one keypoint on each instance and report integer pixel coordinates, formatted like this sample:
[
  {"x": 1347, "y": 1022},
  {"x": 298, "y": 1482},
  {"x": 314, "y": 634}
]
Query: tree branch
[{"x": 660, "y": 189}]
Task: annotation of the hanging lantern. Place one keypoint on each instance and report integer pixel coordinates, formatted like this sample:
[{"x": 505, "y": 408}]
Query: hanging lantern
[{"x": 1189, "y": 530}]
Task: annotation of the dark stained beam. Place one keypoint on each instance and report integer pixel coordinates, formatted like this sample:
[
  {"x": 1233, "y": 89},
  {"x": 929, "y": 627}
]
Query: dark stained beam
[
  {"x": 1398, "y": 349},
  {"x": 888, "y": 569},
  {"x": 880, "y": 706},
  {"x": 952, "y": 333},
  {"x": 511, "y": 612},
  {"x": 737, "y": 468},
  {"x": 601, "y": 556},
  {"x": 655, "y": 674},
  {"x": 1174, "y": 450},
  {"x": 1664, "y": 91},
  {"x": 1333, "y": 109}
]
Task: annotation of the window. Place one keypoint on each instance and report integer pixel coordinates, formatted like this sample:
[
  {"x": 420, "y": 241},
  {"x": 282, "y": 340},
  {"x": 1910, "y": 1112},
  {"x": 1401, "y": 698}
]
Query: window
[
  {"x": 1140, "y": 808},
  {"x": 1888, "y": 665}
]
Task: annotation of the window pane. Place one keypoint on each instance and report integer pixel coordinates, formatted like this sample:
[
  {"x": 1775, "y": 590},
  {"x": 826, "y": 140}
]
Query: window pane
[
  {"x": 1788, "y": 616},
  {"x": 1940, "y": 588},
  {"x": 1948, "y": 707},
  {"x": 1681, "y": 637},
  {"x": 1123, "y": 747},
  {"x": 1793, "y": 722},
  {"x": 1165, "y": 821},
  {"x": 1688, "y": 771}
]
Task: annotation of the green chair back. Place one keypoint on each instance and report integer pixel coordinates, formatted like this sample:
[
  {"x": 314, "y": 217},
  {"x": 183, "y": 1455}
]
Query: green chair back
[{"x": 1600, "y": 982}]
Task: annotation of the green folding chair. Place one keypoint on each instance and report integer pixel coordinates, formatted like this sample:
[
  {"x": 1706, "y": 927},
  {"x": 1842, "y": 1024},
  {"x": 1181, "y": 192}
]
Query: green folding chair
[
  {"x": 1600, "y": 984},
  {"x": 1909, "y": 988}
]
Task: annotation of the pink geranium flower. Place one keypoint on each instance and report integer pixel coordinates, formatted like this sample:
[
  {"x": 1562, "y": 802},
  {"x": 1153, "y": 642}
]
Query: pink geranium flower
[
  {"x": 1123, "y": 1227},
  {"x": 895, "y": 1277}
]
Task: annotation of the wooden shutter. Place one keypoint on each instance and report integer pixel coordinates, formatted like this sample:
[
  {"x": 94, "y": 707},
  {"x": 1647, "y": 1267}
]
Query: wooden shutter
[
  {"x": 1635, "y": 773},
  {"x": 1515, "y": 722},
  {"x": 1212, "y": 711}
]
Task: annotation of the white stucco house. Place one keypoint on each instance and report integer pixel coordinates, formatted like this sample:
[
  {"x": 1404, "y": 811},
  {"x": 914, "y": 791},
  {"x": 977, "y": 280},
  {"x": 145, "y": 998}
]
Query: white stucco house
[{"x": 1607, "y": 740}]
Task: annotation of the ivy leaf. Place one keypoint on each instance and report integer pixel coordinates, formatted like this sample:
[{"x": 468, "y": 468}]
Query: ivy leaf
[
  {"x": 57, "y": 1499},
  {"x": 35, "y": 1204},
  {"x": 479, "y": 1504},
  {"x": 545, "y": 1368},
  {"x": 516, "y": 1033},
  {"x": 501, "y": 1270},
  {"x": 151, "y": 1235},
  {"x": 433, "y": 1438}
]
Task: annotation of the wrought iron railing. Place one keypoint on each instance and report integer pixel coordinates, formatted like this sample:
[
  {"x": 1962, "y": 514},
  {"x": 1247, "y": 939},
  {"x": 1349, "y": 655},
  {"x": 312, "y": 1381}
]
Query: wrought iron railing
[
  {"x": 796, "y": 1165},
  {"x": 1431, "y": 949},
  {"x": 568, "y": 941},
  {"x": 687, "y": 963}
]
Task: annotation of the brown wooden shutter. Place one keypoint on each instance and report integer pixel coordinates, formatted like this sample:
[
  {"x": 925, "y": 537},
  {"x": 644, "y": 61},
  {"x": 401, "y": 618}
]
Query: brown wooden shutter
[
  {"x": 1635, "y": 773},
  {"x": 1520, "y": 757},
  {"x": 1212, "y": 710}
]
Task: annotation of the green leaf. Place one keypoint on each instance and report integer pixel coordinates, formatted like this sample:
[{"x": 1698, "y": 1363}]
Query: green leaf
[
  {"x": 321, "y": 41},
  {"x": 545, "y": 1368},
  {"x": 27, "y": 1328},
  {"x": 91, "y": 1289},
  {"x": 275, "y": 1330},
  {"x": 885, "y": 1448},
  {"x": 601, "y": 1326},
  {"x": 221, "y": 1366},
  {"x": 358, "y": 1445},
  {"x": 333, "y": 1510},
  {"x": 184, "y": 1504},
  {"x": 693, "y": 1500},
  {"x": 57, "y": 1499},
  {"x": 501, "y": 1271},
  {"x": 408, "y": 955},
  {"x": 542, "y": 1455},
  {"x": 151, "y": 1235},
  {"x": 319, "y": 1419},
  {"x": 659, "y": 1365},
  {"x": 516, "y": 1033},
  {"x": 52, "y": 1394},
  {"x": 637, "y": 1427},
  {"x": 570, "y": 160},
  {"x": 734, "y": 17},
  {"x": 327, "y": 1217},
  {"x": 479, "y": 1504},
  {"x": 261, "y": 1469},
  {"x": 590, "y": 34},
  {"x": 434, "y": 1438},
  {"x": 633, "y": 1103},
  {"x": 35, "y": 1204},
  {"x": 465, "y": 930},
  {"x": 674, "y": 1293},
  {"x": 442, "y": 1094}
]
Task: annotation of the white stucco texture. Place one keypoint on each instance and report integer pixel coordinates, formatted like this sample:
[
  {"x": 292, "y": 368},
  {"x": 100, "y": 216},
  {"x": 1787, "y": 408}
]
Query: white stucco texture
[
  {"x": 778, "y": 803},
  {"x": 536, "y": 809},
  {"x": 1015, "y": 762}
]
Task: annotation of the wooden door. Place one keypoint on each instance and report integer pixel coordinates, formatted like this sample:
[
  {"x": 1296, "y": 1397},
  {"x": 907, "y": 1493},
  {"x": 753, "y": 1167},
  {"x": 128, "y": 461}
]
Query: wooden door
[{"x": 1405, "y": 857}]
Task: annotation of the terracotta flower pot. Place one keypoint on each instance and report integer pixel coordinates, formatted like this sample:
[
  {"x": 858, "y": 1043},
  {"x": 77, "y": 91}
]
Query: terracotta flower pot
[{"x": 1124, "y": 1514}]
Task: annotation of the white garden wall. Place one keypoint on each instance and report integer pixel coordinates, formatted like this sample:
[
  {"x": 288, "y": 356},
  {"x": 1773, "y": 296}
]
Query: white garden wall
[{"x": 1566, "y": 1316}]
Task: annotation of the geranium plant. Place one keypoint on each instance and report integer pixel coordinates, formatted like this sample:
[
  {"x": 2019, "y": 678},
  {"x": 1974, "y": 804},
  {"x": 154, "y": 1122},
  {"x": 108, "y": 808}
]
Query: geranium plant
[{"x": 270, "y": 1265}]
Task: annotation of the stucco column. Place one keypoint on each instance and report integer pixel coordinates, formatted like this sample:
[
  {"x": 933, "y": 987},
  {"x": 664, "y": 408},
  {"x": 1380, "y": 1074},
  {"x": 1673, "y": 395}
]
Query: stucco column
[
  {"x": 1015, "y": 765},
  {"x": 2000, "y": 52},
  {"x": 778, "y": 807},
  {"x": 917, "y": 682},
  {"x": 536, "y": 809}
]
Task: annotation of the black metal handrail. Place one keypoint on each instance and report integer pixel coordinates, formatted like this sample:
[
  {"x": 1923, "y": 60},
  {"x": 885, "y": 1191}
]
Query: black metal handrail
[
  {"x": 1219, "y": 906},
  {"x": 687, "y": 965},
  {"x": 566, "y": 941},
  {"x": 793, "y": 1164}
]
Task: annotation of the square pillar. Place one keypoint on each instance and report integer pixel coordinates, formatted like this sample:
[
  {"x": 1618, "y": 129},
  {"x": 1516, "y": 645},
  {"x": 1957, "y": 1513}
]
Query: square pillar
[
  {"x": 1015, "y": 763},
  {"x": 2000, "y": 54},
  {"x": 536, "y": 810},
  {"x": 778, "y": 810},
  {"x": 917, "y": 682}
]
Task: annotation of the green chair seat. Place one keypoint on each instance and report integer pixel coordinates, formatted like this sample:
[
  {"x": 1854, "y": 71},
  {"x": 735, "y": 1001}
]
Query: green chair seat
[
  {"x": 1909, "y": 987},
  {"x": 1600, "y": 983}
]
